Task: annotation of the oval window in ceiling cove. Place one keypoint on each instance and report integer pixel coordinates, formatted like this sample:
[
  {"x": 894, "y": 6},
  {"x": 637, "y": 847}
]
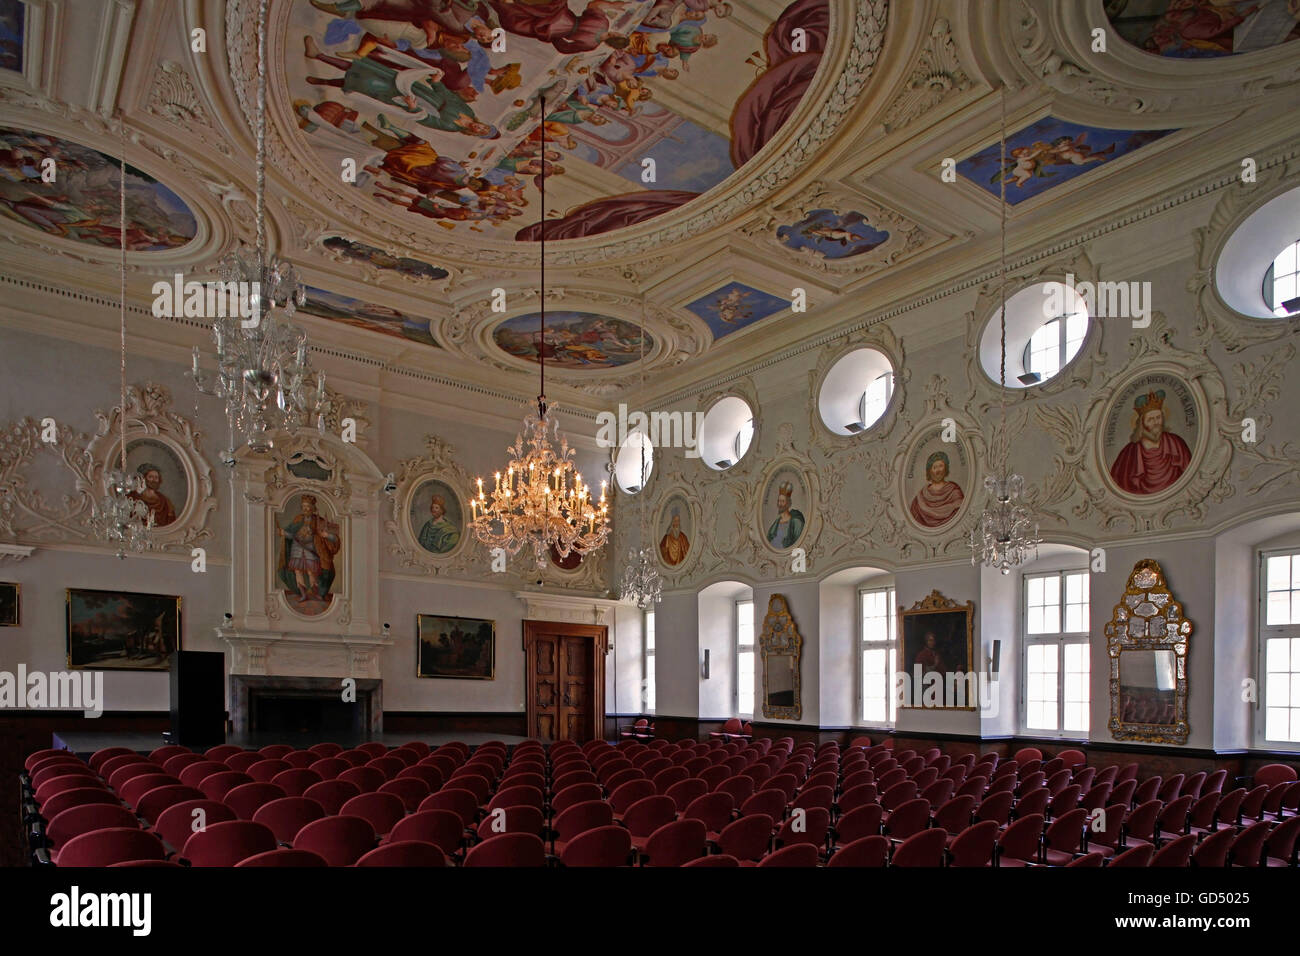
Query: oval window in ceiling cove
[
  {"x": 648, "y": 103},
  {"x": 574, "y": 340},
  {"x": 82, "y": 201}
]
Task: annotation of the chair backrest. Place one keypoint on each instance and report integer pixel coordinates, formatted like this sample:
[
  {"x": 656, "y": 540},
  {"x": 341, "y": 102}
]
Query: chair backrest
[
  {"x": 340, "y": 839},
  {"x": 283, "y": 857},
  {"x": 713, "y": 809},
  {"x": 370, "y": 779},
  {"x": 248, "y": 797},
  {"x": 910, "y": 817},
  {"x": 898, "y": 794},
  {"x": 135, "y": 789},
  {"x": 924, "y": 849},
  {"x": 76, "y": 797},
  {"x": 858, "y": 823},
  {"x": 1175, "y": 853},
  {"x": 1139, "y": 855},
  {"x": 869, "y": 851},
  {"x": 770, "y": 802},
  {"x": 649, "y": 814},
  {"x": 676, "y": 843},
  {"x": 264, "y": 770},
  {"x": 225, "y": 844},
  {"x": 996, "y": 806},
  {"x": 513, "y": 819},
  {"x": 380, "y": 810},
  {"x": 1033, "y": 802},
  {"x": 1274, "y": 773},
  {"x": 1019, "y": 841},
  {"x": 796, "y": 855},
  {"x": 1028, "y": 753},
  {"x": 1088, "y": 860},
  {"x": 1248, "y": 846},
  {"x": 510, "y": 849},
  {"x": 83, "y": 819},
  {"x": 1142, "y": 821},
  {"x": 600, "y": 846},
  {"x": 973, "y": 846},
  {"x": 110, "y": 845},
  {"x": 1066, "y": 832},
  {"x": 1281, "y": 842},
  {"x": 295, "y": 781},
  {"x": 748, "y": 837},
  {"x": 955, "y": 814},
  {"x": 442, "y": 828},
  {"x": 581, "y": 817},
  {"x": 408, "y": 853},
  {"x": 287, "y": 815},
  {"x": 812, "y": 828},
  {"x": 1213, "y": 850}
]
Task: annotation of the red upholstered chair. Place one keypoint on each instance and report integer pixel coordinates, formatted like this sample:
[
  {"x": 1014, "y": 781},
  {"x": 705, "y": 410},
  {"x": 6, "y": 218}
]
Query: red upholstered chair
[
  {"x": 857, "y": 797},
  {"x": 1175, "y": 853},
  {"x": 1053, "y": 767},
  {"x": 628, "y": 794},
  {"x": 295, "y": 781},
  {"x": 1272, "y": 774},
  {"x": 520, "y": 796},
  {"x": 813, "y": 829},
  {"x": 924, "y": 849},
  {"x": 96, "y": 761},
  {"x": 275, "y": 751},
  {"x": 180, "y": 821},
  {"x": 326, "y": 749},
  {"x": 715, "y": 810},
  {"x": 109, "y": 766},
  {"x": 770, "y": 802},
  {"x": 797, "y": 855},
  {"x": 973, "y": 846},
  {"x": 118, "y": 778},
  {"x": 354, "y": 757},
  {"x": 1140, "y": 827},
  {"x": 1213, "y": 850},
  {"x": 975, "y": 786},
  {"x": 604, "y": 846},
  {"x": 1072, "y": 758},
  {"x": 664, "y": 779},
  {"x": 1172, "y": 821},
  {"x": 1125, "y": 791},
  {"x": 328, "y": 767},
  {"x": 1063, "y": 837},
  {"x": 1033, "y": 802},
  {"x": 370, "y": 779},
  {"x": 1148, "y": 789},
  {"x": 1128, "y": 772},
  {"x": 1228, "y": 812},
  {"x": 1138, "y": 856},
  {"x": 1059, "y": 781},
  {"x": 1019, "y": 843},
  {"x": 1097, "y": 797},
  {"x": 626, "y": 775},
  {"x": 1248, "y": 848},
  {"x": 821, "y": 797},
  {"x": 178, "y": 762},
  {"x": 925, "y": 778},
  {"x": 684, "y": 791},
  {"x": 732, "y": 727},
  {"x": 938, "y": 793},
  {"x": 575, "y": 793},
  {"x": 1215, "y": 782},
  {"x": 1108, "y": 774},
  {"x": 225, "y": 844},
  {"x": 222, "y": 752},
  {"x": 1106, "y": 840},
  {"x": 331, "y": 794},
  {"x": 1194, "y": 785},
  {"x": 1003, "y": 784},
  {"x": 570, "y": 777},
  {"x": 77, "y": 797},
  {"x": 895, "y": 796},
  {"x": 580, "y": 818},
  {"x": 911, "y": 817},
  {"x": 287, "y": 815},
  {"x": 242, "y": 761},
  {"x": 380, "y": 810},
  {"x": 787, "y": 783},
  {"x": 110, "y": 845},
  {"x": 1063, "y": 802},
  {"x": 284, "y": 857},
  {"x": 676, "y": 843},
  {"x": 716, "y": 860},
  {"x": 858, "y": 778},
  {"x": 68, "y": 767},
  {"x": 514, "y": 819},
  {"x": 509, "y": 849},
  {"x": 892, "y": 779},
  {"x": 410, "y": 790},
  {"x": 215, "y": 786},
  {"x": 1252, "y": 807},
  {"x": 460, "y": 802},
  {"x": 390, "y": 767},
  {"x": 1087, "y": 860},
  {"x": 858, "y": 823},
  {"x": 341, "y": 840},
  {"x": 409, "y": 853},
  {"x": 247, "y": 798},
  {"x": 1280, "y": 847},
  {"x": 134, "y": 789},
  {"x": 1028, "y": 753},
  {"x": 1201, "y": 816},
  {"x": 442, "y": 828},
  {"x": 373, "y": 749},
  {"x": 1085, "y": 776},
  {"x": 869, "y": 851},
  {"x": 1032, "y": 781},
  {"x": 1170, "y": 790},
  {"x": 997, "y": 807},
  {"x": 75, "y": 821},
  {"x": 747, "y": 839},
  {"x": 955, "y": 815},
  {"x": 443, "y": 763}
]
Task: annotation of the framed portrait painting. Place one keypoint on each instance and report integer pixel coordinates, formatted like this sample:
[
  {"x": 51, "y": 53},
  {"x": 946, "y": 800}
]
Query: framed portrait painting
[
  {"x": 1151, "y": 435},
  {"x": 463, "y": 647},
  {"x": 122, "y": 630},
  {"x": 785, "y": 508},
  {"x": 436, "y": 517},
  {"x": 935, "y": 638},
  {"x": 10, "y": 604}
]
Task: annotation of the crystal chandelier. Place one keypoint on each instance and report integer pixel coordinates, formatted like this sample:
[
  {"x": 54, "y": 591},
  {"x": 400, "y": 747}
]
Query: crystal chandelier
[
  {"x": 641, "y": 581},
  {"x": 542, "y": 499},
  {"x": 120, "y": 517},
  {"x": 262, "y": 369},
  {"x": 1007, "y": 534}
]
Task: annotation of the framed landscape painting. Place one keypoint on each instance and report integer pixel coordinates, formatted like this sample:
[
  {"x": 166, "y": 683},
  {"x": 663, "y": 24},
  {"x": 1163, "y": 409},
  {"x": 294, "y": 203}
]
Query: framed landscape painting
[
  {"x": 122, "y": 630},
  {"x": 463, "y": 647}
]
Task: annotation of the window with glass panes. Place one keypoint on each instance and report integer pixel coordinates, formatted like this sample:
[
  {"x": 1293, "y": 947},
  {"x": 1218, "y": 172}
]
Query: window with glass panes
[
  {"x": 1279, "y": 645},
  {"x": 745, "y": 659},
  {"x": 648, "y": 665},
  {"x": 877, "y": 656},
  {"x": 1055, "y": 698}
]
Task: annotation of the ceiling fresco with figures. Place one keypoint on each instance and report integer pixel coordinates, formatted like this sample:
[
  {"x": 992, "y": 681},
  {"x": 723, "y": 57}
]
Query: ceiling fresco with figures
[{"x": 724, "y": 178}]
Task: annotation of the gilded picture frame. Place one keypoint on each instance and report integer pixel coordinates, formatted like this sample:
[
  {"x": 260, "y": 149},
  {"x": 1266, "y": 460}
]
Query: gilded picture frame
[{"x": 934, "y": 633}]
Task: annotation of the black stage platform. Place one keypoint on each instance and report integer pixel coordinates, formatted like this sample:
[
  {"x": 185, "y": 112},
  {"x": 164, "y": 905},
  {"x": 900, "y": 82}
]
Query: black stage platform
[{"x": 82, "y": 742}]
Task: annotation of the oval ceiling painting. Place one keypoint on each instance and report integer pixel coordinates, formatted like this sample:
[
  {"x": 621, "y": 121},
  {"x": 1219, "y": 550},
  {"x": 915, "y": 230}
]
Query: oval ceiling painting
[
  {"x": 574, "y": 340},
  {"x": 1194, "y": 29},
  {"x": 76, "y": 196},
  {"x": 648, "y": 103}
]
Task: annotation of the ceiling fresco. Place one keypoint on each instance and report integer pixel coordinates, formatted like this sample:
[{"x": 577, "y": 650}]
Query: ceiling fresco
[
  {"x": 1193, "y": 29},
  {"x": 574, "y": 340}
]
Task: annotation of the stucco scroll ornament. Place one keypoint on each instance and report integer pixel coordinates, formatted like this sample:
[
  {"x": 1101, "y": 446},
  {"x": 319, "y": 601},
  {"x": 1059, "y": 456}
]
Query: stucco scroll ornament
[
  {"x": 28, "y": 483},
  {"x": 446, "y": 549}
]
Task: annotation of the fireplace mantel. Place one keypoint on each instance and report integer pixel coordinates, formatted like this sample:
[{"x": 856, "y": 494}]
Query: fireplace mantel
[
  {"x": 289, "y": 654},
  {"x": 540, "y": 606}
]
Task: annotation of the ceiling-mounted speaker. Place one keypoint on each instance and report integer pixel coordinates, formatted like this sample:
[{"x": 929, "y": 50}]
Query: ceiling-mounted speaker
[
  {"x": 1030, "y": 378},
  {"x": 725, "y": 463},
  {"x": 706, "y": 664}
]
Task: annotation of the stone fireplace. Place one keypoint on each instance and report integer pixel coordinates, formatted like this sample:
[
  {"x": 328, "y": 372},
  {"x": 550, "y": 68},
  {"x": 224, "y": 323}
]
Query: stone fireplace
[{"x": 270, "y": 704}]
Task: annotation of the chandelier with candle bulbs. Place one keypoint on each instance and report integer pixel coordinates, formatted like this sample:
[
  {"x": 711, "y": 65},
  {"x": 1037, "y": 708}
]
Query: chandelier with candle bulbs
[
  {"x": 1007, "y": 533},
  {"x": 541, "y": 500},
  {"x": 120, "y": 517},
  {"x": 262, "y": 368}
]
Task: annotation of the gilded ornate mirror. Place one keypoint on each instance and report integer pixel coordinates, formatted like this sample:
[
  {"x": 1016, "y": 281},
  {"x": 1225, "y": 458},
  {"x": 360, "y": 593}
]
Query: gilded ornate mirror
[
  {"x": 1147, "y": 640},
  {"x": 780, "y": 644}
]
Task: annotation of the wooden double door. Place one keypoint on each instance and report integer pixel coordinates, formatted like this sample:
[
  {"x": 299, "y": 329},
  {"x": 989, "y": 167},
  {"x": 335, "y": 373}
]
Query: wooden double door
[{"x": 566, "y": 680}]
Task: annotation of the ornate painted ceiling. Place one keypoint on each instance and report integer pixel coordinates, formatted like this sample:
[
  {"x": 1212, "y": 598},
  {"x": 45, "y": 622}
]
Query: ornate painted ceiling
[{"x": 709, "y": 164}]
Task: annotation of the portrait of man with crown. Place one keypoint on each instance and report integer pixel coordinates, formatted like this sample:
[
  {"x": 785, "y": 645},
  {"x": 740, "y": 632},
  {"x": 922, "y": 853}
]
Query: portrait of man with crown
[
  {"x": 1154, "y": 458},
  {"x": 786, "y": 527}
]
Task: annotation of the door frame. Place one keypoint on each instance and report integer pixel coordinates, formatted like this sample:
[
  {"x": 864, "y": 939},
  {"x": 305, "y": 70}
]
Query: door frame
[{"x": 598, "y": 638}]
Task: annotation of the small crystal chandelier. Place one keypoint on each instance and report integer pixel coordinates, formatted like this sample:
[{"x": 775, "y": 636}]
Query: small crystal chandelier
[
  {"x": 262, "y": 369},
  {"x": 1007, "y": 534},
  {"x": 542, "y": 499},
  {"x": 641, "y": 581},
  {"x": 120, "y": 517}
]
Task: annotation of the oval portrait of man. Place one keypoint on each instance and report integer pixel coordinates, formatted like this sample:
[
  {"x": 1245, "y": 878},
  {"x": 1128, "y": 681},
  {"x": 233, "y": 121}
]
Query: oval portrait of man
[
  {"x": 785, "y": 509},
  {"x": 936, "y": 481},
  {"x": 675, "y": 531},
  {"x": 166, "y": 489},
  {"x": 436, "y": 517},
  {"x": 1150, "y": 434}
]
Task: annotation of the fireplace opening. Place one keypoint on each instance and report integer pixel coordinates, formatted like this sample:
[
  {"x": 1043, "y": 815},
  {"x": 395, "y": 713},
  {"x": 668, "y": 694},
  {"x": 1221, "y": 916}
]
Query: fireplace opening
[
  {"x": 311, "y": 705},
  {"x": 299, "y": 713}
]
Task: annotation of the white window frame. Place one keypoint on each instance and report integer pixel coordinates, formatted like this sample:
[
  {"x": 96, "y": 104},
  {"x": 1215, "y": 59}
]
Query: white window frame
[
  {"x": 1060, "y": 639},
  {"x": 1263, "y": 633},
  {"x": 741, "y": 648},
  {"x": 889, "y": 645},
  {"x": 648, "y": 700},
  {"x": 1063, "y": 356}
]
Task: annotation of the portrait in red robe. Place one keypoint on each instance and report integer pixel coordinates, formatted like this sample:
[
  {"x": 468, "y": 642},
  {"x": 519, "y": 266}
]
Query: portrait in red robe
[{"x": 1153, "y": 459}]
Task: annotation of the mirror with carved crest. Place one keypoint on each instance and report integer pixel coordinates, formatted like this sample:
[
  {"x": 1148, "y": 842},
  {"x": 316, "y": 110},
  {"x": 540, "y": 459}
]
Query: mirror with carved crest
[
  {"x": 1147, "y": 640},
  {"x": 781, "y": 647}
]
